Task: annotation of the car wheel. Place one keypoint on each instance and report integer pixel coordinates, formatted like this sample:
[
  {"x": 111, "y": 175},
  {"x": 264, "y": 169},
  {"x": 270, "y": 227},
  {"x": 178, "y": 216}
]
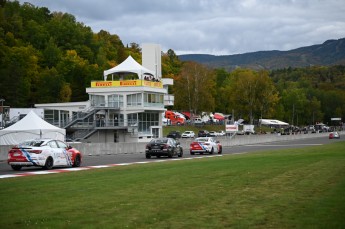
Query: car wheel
[
  {"x": 148, "y": 156},
  {"x": 192, "y": 153},
  {"x": 212, "y": 150},
  {"x": 77, "y": 161},
  {"x": 220, "y": 151},
  {"x": 49, "y": 163},
  {"x": 170, "y": 154},
  {"x": 16, "y": 167},
  {"x": 181, "y": 153}
]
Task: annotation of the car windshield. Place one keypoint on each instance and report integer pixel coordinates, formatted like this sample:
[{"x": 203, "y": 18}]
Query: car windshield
[
  {"x": 31, "y": 143},
  {"x": 159, "y": 141},
  {"x": 201, "y": 140}
]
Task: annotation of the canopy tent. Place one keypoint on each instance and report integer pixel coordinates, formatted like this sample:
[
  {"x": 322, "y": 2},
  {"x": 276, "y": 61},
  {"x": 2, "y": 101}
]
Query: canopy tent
[
  {"x": 218, "y": 116},
  {"x": 272, "y": 122},
  {"x": 186, "y": 114},
  {"x": 30, "y": 127},
  {"x": 129, "y": 66}
]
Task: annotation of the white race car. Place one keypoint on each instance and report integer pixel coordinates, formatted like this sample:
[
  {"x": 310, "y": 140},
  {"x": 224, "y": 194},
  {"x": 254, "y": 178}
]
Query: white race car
[
  {"x": 46, "y": 153},
  {"x": 205, "y": 145}
]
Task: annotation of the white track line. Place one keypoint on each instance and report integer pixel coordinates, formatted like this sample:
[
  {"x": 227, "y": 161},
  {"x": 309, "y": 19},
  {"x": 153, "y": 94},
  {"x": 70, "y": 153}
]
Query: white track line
[{"x": 64, "y": 170}]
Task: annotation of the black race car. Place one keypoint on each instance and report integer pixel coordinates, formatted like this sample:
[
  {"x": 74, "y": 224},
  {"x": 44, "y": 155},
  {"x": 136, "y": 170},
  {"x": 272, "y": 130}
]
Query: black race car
[{"x": 163, "y": 147}]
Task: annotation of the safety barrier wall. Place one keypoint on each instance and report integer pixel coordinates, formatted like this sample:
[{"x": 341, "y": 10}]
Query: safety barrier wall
[{"x": 97, "y": 149}]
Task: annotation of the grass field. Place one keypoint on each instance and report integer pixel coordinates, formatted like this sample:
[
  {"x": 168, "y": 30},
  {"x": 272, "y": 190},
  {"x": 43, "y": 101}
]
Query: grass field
[{"x": 295, "y": 188}]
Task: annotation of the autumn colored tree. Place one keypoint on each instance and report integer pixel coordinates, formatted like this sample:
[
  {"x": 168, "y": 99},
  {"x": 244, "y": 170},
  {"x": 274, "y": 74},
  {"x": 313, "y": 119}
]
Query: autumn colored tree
[
  {"x": 109, "y": 48},
  {"x": 322, "y": 87},
  {"x": 51, "y": 54},
  {"x": 51, "y": 57},
  {"x": 267, "y": 95},
  {"x": 221, "y": 100},
  {"x": 52, "y": 87},
  {"x": 134, "y": 50},
  {"x": 294, "y": 101},
  {"x": 194, "y": 88},
  {"x": 171, "y": 65},
  {"x": 250, "y": 94},
  {"x": 74, "y": 70},
  {"x": 19, "y": 72}
]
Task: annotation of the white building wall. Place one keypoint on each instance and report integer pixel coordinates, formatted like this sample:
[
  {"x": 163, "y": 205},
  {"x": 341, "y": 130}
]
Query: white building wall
[
  {"x": 20, "y": 111},
  {"x": 152, "y": 58}
]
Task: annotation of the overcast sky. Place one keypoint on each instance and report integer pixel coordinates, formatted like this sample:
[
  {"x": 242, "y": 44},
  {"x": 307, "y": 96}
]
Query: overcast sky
[{"x": 219, "y": 27}]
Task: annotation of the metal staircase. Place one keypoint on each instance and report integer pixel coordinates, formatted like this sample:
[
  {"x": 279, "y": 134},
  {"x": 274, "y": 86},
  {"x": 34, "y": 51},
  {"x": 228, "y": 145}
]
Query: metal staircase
[
  {"x": 81, "y": 116},
  {"x": 83, "y": 134},
  {"x": 80, "y": 126},
  {"x": 83, "y": 124}
]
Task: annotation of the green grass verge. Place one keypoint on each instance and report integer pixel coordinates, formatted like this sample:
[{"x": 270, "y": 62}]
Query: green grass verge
[{"x": 295, "y": 188}]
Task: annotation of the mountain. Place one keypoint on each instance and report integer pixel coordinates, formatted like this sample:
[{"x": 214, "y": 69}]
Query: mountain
[{"x": 331, "y": 52}]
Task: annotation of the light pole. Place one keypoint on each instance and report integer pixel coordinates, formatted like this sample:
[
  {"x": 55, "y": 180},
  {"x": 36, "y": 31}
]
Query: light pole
[{"x": 2, "y": 112}]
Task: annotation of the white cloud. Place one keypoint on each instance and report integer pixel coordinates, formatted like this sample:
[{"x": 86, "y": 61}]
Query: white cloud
[{"x": 211, "y": 26}]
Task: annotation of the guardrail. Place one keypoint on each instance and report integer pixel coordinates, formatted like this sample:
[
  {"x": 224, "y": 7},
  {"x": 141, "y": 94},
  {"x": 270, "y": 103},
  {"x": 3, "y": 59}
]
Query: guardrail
[{"x": 97, "y": 149}]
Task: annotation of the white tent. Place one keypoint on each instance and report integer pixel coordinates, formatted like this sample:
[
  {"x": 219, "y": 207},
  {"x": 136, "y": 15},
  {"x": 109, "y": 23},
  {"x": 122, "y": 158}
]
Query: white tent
[
  {"x": 129, "y": 65},
  {"x": 272, "y": 122},
  {"x": 30, "y": 127}
]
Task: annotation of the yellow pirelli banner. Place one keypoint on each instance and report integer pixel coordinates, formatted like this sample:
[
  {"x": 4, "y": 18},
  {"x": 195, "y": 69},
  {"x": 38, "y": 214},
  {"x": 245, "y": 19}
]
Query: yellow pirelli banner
[{"x": 127, "y": 83}]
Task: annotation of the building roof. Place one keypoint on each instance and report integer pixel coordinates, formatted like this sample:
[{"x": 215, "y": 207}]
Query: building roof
[
  {"x": 273, "y": 122},
  {"x": 129, "y": 66}
]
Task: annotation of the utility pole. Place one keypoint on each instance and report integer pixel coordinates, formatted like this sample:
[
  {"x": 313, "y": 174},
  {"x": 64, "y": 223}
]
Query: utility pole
[
  {"x": 2, "y": 112},
  {"x": 293, "y": 113},
  {"x": 233, "y": 117}
]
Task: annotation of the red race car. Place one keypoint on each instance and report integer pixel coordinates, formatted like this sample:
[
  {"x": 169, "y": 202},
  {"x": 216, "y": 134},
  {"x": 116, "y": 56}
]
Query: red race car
[{"x": 333, "y": 135}]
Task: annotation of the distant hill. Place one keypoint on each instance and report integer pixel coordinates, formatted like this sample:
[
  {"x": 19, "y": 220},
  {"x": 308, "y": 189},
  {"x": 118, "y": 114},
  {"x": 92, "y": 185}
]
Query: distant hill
[{"x": 331, "y": 52}]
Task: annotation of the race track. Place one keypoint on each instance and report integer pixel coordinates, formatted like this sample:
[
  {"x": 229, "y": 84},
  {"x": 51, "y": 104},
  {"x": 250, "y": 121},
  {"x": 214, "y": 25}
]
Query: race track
[{"x": 90, "y": 162}]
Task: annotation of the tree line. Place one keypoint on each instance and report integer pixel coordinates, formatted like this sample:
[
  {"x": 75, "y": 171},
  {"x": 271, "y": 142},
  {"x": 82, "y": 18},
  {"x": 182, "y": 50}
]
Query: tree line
[
  {"x": 299, "y": 96},
  {"x": 48, "y": 57}
]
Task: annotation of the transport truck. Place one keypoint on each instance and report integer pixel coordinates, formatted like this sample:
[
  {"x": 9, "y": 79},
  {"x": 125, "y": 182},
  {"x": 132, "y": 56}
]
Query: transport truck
[{"x": 174, "y": 118}]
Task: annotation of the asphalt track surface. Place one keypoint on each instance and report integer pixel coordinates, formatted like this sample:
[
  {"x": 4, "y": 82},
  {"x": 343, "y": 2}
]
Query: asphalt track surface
[{"x": 88, "y": 161}]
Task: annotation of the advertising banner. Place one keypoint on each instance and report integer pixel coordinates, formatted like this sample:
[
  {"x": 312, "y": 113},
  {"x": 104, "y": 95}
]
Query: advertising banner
[
  {"x": 231, "y": 128},
  {"x": 127, "y": 83}
]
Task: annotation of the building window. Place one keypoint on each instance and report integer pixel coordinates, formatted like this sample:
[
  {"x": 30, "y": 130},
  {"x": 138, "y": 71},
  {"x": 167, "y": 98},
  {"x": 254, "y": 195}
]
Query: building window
[
  {"x": 155, "y": 132},
  {"x": 134, "y": 100},
  {"x": 143, "y": 121},
  {"x": 146, "y": 120},
  {"x": 153, "y": 99},
  {"x": 97, "y": 100},
  {"x": 52, "y": 116},
  {"x": 64, "y": 118},
  {"x": 115, "y": 101},
  {"x": 132, "y": 119}
]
